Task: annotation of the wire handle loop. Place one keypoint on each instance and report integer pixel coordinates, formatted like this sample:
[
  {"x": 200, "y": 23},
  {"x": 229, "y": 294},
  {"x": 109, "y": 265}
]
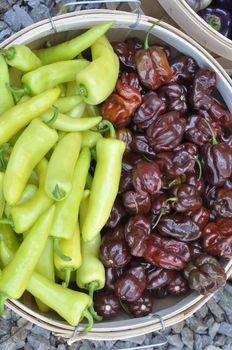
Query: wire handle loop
[{"x": 137, "y": 9}]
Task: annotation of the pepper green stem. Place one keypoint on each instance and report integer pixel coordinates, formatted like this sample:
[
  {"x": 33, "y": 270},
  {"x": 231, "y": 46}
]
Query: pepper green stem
[
  {"x": 83, "y": 91},
  {"x": 89, "y": 326},
  {"x": 146, "y": 158},
  {"x": 67, "y": 274},
  {"x": 162, "y": 212},
  {"x": 172, "y": 199},
  {"x": 3, "y": 298},
  {"x": 199, "y": 167},
  {"x": 54, "y": 117},
  {"x": 92, "y": 287},
  {"x": 17, "y": 92},
  {"x": 10, "y": 53},
  {"x": 146, "y": 44},
  {"x": 7, "y": 221},
  {"x": 106, "y": 125},
  {"x": 94, "y": 153},
  {"x": 58, "y": 250},
  {"x": 58, "y": 193},
  {"x": 214, "y": 22},
  {"x": 214, "y": 140}
]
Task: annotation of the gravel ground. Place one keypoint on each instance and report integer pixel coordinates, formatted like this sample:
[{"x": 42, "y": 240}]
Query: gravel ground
[{"x": 209, "y": 329}]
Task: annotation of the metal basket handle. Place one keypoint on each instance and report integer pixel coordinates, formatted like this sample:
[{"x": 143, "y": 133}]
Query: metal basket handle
[{"x": 137, "y": 9}]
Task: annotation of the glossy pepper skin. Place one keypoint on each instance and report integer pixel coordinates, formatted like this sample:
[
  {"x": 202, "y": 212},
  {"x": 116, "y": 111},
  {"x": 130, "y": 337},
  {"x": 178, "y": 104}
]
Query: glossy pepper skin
[
  {"x": 223, "y": 203},
  {"x": 131, "y": 285},
  {"x": 16, "y": 118},
  {"x": 72, "y": 48},
  {"x": 187, "y": 198},
  {"x": 205, "y": 274},
  {"x": 45, "y": 267},
  {"x": 117, "y": 214},
  {"x": 67, "y": 210},
  {"x": 217, "y": 238},
  {"x": 137, "y": 231},
  {"x": 219, "y": 19},
  {"x": 120, "y": 106},
  {"x": 203, "y": 85},
  {"x": 12, "y": 285},
  {"x": 125, "y": 135},
  {"x": 105, "y": 63},
  {"x": 179, "y": 227},
  {"x": 183, "y": 69},
  {"x": 9, "y": 244},
  {"x": 166, "y": 132},
  {"x": 55, "y": 296},
  {"x": 22, "y": 58},
  {"x": 71, "y": 248},
  {"x": 107, "y": 305},
  {"x": 142, "y": 306},
  {"x": 158, "y": 278},
  {"x": 114, "y": 251},
  {"x": 25, "y": 214},
  {"x": 178, "y": 285},
  {"x": 153, "y": 67},
  {"x": 166, "y": 253},
  {"x": 146, "y": 178},
  {"x": 178, "y": 162},
  {"x": 103, "y": 194},
  {"x": 126, "y": 52},
  {"x": 6, "y": 98},
  {"x": 45, "y": 77},
  {"x": 216, "y": 163},
  {"x": 200, "y": 217},
  {"x": 174, "y": 96},
  {"x": 136, "y": 203},
  {"x": 58, "y": 182},
  {"x": 32, "y": 145},
  {"x": 152, "y": 106},
  {"x": 141, "y": 145}
]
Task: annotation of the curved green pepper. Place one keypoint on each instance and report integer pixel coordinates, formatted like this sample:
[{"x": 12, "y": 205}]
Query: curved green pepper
[
  {"x": 22, "y": 114},
  {"x": 68, "y": 124},
  {"x": 71, "y": 248},
  {"x": 72, "y": 48},
  {"x": 58, "y": 182},
  {"x": 77, "y": 111},
  {"x": 91, "y": 273},
  {"x": 49, "y": 76},
  {"x": 66, "y": 213},
  {"x": 9, "y": 244},
  {"x": 30, "y": 148},
  {"x": 97, "y": 81},
  {"x": 90, "y": 138},
  {"x": 104, "y": 187},
  {"x": 22, "y": 58},
  {"x": 66, "y": 104},
  {"x": 17, "y": 273},
  {"x": 26, "y": 214},
  {"x": 45, "y": 267},
  {"x": 6, "y": 98}
]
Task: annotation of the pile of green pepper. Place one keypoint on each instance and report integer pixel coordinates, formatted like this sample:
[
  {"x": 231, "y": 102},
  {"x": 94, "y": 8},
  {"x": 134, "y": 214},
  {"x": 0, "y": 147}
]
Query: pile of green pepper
[{"x": 52, "y": 207}]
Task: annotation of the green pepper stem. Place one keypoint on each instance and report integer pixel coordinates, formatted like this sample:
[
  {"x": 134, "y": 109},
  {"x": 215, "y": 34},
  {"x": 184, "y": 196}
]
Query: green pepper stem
[
  {"x": 146, "y": 44},
  {"x": 10, "y": 53},
  {"x": 58, "y": 194},
  {"x": 162, "y": 212},
  {"x": 67, "y": 274},
  {"x": 106, "y": 125},
  {"x": 7, "y": 221},
  {"x": 214, "y": 140},
  {"x": 172, "y": 199},
  {"x": 93, "y": 153},
  {"x": 147, "y": 159},
  {"x": 89, "y": 326},
  {"x": 83, "y": 91},
  {"x": 17, "y": 92},
  {"x": 92, "y": 287},
  {"x": 51, "y": 121},
  {"x": 199, "y": 167},
  {"x": 58, "y": 250},
  {"x": 214, "y": 22},
  {"x": 3, "y": 298}
]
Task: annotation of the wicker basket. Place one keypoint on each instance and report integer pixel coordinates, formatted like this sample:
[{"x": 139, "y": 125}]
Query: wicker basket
[{"x": 171, "y": 310}]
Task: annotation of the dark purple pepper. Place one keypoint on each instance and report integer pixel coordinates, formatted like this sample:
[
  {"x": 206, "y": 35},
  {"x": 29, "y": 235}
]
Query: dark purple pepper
[
  {"x": 219, "y": 19},
  {"x": 106, "y": 305}
]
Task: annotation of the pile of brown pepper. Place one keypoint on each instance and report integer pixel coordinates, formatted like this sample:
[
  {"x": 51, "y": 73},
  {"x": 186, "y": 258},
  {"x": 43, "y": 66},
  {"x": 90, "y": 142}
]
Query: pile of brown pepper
[{"x": 172, "y": 220}]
